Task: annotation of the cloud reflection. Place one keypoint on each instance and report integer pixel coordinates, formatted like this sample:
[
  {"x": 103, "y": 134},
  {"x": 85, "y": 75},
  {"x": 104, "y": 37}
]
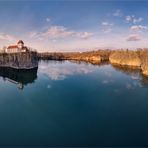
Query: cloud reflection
[{"x": 59, "y": 71}]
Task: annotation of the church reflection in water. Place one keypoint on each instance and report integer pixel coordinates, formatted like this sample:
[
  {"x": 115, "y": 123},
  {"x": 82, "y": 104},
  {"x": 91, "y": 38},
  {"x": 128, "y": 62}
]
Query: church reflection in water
[{"x": 18, "y": 77}]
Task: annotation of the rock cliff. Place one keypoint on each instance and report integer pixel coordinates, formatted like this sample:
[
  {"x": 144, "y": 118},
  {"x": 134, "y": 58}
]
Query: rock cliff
[
  {"x": 131, "y": 58},
  {"x": 22, "y": 60},
  {"x": 143, "y": 54},
  {"x": 125, "y": 58},
  {"x": 91, "y": 59}
]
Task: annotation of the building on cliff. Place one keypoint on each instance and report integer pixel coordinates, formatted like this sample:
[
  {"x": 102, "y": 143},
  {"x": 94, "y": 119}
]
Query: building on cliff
[
  {"x": 19, "y": 57},
  {"x": 17, "y": 48}
]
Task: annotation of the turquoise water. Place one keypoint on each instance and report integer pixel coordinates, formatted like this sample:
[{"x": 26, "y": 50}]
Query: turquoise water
[{"x": 73, "y": 104}]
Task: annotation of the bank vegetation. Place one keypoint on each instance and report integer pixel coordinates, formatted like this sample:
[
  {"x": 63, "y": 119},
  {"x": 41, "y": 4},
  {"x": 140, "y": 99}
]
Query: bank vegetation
[{"x": 129, "y": 58}]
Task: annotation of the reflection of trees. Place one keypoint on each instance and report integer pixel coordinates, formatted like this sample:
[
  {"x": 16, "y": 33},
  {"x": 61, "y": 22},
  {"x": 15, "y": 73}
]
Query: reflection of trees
[
  {"x": 86, "y": 63},
  {"x": 75, "y": 61},
  {"x": 144, "y": 81},
  {"x": 127, "y": 69},
  {"x": 19, "y": 77},
  {"x": 52, "y": 61},
  {"x": 132, "y": 71}
]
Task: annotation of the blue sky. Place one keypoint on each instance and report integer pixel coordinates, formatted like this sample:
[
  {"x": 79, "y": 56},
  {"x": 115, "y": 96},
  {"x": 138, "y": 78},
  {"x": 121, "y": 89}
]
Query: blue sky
[{"x": 74, "y": 25}]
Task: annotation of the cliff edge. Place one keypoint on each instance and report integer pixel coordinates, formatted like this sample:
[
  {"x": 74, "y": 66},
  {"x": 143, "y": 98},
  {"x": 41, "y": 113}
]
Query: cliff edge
[
  {"x": 20, "y": 60},
  {"x": 125, "y": 58}
]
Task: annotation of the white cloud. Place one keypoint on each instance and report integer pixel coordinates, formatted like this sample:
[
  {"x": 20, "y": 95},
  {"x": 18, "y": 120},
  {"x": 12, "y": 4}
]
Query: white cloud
[
  {"x": 138, "y": 27},
  {"x": 8, "y": 37},
  {"x": 134, "y": 37},
  {"x": 138, "y": 20},
  {"x": 58, "y": 32},
  {"x": 133, "y": 19},
  {"x": 36, "y": 35},
  {"x": 33, "y": 34},
  {"x": 117, "y": 13},
  {"x": 128, "y": 18},
  {"x": 48, "y": 19},
  {"x": 55, "y": 32},
  {"x": 107, "y": 27},
  {"x": 106, "y": 24},
  {"x": 84, "y": 35},
  {"x": 107, "y": 30}
]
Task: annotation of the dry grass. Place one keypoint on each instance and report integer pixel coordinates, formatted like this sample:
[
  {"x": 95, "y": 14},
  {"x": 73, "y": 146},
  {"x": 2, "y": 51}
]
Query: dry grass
[{"x": 125, "y": 58}]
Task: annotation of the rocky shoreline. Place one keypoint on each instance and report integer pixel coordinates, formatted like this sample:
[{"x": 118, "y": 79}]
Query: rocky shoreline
[
  {"x": 137, "y": 59},
  {"x": 93, "y": 57},
  {"x": 20, "y": 60}
]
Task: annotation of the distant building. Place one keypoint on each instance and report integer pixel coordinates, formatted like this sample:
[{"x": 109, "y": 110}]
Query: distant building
[{"x": 17, "y": 48}]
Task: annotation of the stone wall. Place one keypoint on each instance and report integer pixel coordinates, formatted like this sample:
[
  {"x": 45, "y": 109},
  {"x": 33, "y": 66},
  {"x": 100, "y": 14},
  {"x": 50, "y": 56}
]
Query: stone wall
[{"x": 27, "y": 60}]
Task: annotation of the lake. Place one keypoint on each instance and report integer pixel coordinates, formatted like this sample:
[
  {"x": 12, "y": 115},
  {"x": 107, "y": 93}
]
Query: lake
[{"x": 73, "y": 104}]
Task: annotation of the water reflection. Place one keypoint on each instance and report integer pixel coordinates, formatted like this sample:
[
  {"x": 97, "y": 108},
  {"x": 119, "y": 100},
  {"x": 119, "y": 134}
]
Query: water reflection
[
  {"x": 19, "y": 77},
  {"x": 127, "y": 70},
  {"x": 60, "y": 70},
  {"x": 134, "y": 73},
  {"x": 88, "y": 63},
  {"x": 87, "y": 102}
]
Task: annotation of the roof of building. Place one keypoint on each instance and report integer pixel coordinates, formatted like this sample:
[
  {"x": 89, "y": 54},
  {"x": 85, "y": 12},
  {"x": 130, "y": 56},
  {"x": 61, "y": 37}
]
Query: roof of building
[
  {"x": 15, "y": 46},
  {"x": 12, "y": 46},
  {"x": 20, "y": 41}
]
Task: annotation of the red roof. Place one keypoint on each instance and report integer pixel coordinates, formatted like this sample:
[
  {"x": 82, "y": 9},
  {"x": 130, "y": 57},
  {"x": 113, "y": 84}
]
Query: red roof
[
  {"x": 15, "y": 46},
  {"x": 12, "y": 46}
]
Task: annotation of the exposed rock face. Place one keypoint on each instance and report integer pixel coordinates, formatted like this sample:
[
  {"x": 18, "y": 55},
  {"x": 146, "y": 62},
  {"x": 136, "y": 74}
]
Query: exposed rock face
[
  {"x": 94, "y": 59},
  {"x": 91, "y": 59},
  {"x": 144, "y": 65},
  {"x": 144, "y": 62},
  {"x": 145, "y": 71},
  {"x": 22, "y": 60},
  {"x": 125, "y": 58}
]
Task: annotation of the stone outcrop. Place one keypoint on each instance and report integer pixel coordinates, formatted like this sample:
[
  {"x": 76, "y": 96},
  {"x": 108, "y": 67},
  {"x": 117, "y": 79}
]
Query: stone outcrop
[
  {"x": 145, "y": 69},
  {"x": 144, "y": 62},
  {"x": 91, "y": 59},
  {"x": 125, "y": 58},
  {"x": 21, "y": 60},
  {"x": 94, "y": 59},
  {"x": 131, "y": 59}
]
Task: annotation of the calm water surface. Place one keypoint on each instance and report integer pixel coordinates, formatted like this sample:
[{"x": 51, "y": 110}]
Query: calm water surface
[{"x": 73, "y": 104}]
